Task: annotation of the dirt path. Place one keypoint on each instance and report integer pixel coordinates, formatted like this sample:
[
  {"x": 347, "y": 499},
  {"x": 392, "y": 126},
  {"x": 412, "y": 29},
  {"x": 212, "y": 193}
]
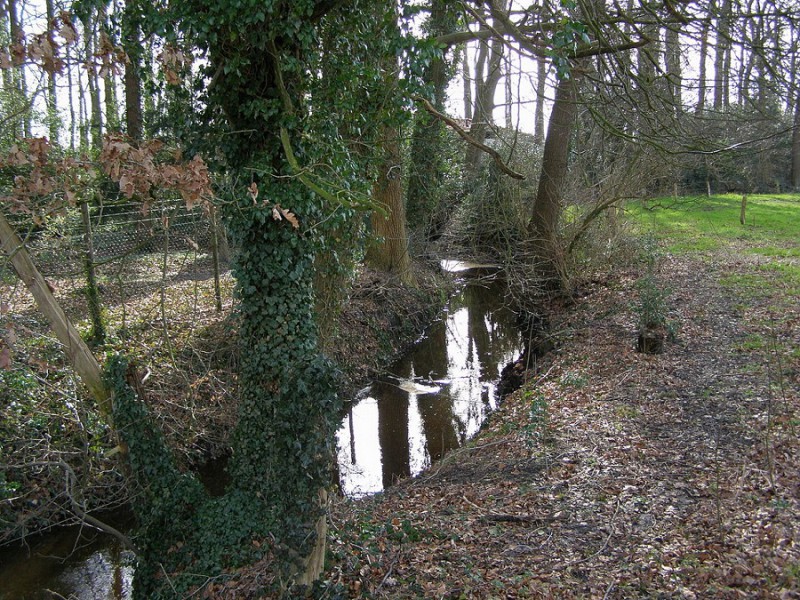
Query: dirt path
[{"x": 670, "y": 476}]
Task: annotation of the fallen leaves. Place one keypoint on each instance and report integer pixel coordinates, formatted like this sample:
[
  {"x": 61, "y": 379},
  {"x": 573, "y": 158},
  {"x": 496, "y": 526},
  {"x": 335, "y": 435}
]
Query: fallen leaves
[{"x": 656, "y": 469}]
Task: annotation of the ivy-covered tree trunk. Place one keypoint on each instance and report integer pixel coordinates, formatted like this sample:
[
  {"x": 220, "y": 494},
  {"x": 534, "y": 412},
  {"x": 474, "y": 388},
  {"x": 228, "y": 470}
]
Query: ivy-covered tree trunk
[{"x": 284, "y": 442}]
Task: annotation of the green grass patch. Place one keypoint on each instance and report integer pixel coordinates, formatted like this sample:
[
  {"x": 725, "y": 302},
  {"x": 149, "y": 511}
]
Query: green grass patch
[
  {"x": 747, "y": 285},
  {"x": 699, "y": 223},
  {"x": 753, "y": 342}
]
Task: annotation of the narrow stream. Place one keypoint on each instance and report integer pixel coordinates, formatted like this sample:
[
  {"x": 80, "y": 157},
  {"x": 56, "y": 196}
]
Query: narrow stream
[
  {"x": 437, "y": 396},
  {"x": 76, "y": 563},
  {"x": 429, "y": 402}
]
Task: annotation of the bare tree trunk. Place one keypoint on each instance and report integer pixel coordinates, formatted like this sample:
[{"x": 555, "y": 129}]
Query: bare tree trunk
[
  {"x": 720, "y": 55},
  {"x": 509, "y": 95},
  {"x": 701, "y": 77},
  {"x": 747, "y": 65},
  {"x": 541, "y": 87},
  {"x": 796, "y": 144},
  {"x": 20, "y": 86},
  {"x": 390, "y": 253},
  {"x": 490, "y": 58},
  {"x": 96, "y": 118},
  {"x": 52, "y": 104},
  {"x": 73, "y": 118},
  {"x": 109, "y": 80},
  {"x": 134, "y": 121},
  {"x": 672, "y": 47},
  {"x": 7, "y": 74},
  {"x": 543, "y": 226},
  {"x": 467, "y": 81}
]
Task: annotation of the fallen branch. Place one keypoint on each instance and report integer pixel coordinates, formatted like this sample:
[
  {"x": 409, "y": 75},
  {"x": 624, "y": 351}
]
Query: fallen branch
[{"x": 506, "y": 518}]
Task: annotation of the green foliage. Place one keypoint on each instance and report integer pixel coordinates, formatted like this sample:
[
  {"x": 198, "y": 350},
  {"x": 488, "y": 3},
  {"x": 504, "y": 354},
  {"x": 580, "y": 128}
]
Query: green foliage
[
  {"x": 285, "y": 76},
  {"x": 652, "y": 307},
  {"x": 536, "y": 426},
  {"x": 567, "y": 37},
  {"x": 283, "y": 445},
  {"x": 402, "y": 531},
  {"x": 42, "y": 420},
  {"x": 432, "y": 149}
]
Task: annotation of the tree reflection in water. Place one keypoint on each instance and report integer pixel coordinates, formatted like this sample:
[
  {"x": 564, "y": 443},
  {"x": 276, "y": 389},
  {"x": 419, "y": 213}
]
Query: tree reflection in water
[{"x": 460, "y": 358}]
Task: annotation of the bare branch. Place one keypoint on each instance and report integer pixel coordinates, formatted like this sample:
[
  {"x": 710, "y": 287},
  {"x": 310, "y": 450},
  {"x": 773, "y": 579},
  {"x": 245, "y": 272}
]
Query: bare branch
[{"x": 469, "y": 139}]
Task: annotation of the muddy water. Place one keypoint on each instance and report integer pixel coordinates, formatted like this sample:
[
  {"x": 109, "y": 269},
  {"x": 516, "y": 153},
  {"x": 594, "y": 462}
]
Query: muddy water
[
  {"x": 429, "y": 402},
  {"x": 437, "y": 396}
]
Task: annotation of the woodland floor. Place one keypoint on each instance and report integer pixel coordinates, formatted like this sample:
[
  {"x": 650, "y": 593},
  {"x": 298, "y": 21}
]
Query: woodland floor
[{"x": 614, "y": 474}]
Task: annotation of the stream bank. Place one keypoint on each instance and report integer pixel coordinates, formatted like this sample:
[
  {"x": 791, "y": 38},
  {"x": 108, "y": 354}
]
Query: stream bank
[{"x": 612, "y": 473}]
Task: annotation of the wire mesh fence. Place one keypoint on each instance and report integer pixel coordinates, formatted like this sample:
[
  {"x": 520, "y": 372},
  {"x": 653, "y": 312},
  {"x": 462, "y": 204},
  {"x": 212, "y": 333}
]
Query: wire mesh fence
[{"x": 164, "y": 297}]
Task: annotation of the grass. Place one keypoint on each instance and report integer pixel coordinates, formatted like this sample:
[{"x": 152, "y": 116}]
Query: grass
[{"x": 699, "y": 223}]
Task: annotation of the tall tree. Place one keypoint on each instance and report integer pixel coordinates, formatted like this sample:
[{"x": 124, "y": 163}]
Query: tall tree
[
  {"x": 547, "y": 251},
  {"x": 94, "y": 126},
  {"x": 261, "y": 75},
  {"x": 674, "y": 72},
  {"x": 52, "y": 95},
  {"x": 132, "y": 44},
  {"x": 389, "y": 252},
  {"x": 541, "y": 87},
  {"x": 722, "y": 55},
  {"x": 466, "y": 82},
  {"x": 106, "y": 39},
  {"x": 701, "y": 76},
  {"x": 426, "y": 208},
  {"x": 19, "y": 85},
  {"x": 488, "y": 72},
  {"x": 796, "y": 144}
]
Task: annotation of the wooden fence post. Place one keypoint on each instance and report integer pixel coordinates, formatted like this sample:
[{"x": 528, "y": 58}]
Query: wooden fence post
[{"x": 80, "y": 356}]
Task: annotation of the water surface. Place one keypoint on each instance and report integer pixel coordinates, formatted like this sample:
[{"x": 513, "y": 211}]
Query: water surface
[{"x": 438, "y": 395}]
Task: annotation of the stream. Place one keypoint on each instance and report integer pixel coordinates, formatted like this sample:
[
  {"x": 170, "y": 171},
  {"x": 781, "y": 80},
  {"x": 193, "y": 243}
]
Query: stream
[
  {"x": 430, "y": 401},
  {"x": 435, "y": 397}
]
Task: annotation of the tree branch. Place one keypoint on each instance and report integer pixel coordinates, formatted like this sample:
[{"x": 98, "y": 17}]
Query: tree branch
[{"x": 468, "y": 138}]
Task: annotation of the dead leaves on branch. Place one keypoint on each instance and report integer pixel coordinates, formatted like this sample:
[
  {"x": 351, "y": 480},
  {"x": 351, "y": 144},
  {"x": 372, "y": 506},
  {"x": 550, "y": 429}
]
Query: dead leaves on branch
[
  {"x": 173, "y": 62},
  {"x": 43, "y": 183},
  {"x": 47, "y": 49},
  {"x": 140, "y": 169},
  {"x": 46, "y": 181},
  {"x": 278, "y": 212}
]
